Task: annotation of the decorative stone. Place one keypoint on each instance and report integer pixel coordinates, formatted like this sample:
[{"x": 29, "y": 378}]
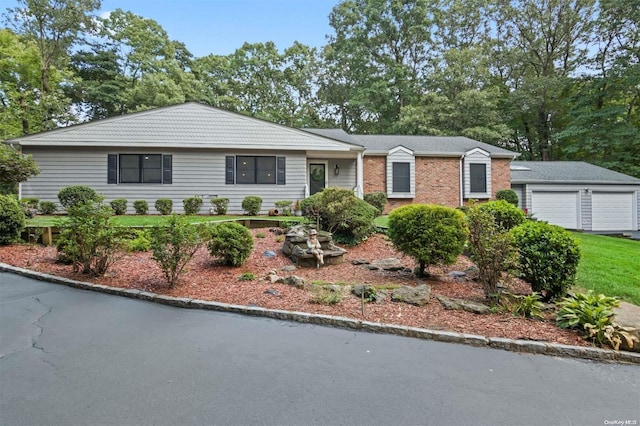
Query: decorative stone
[
  {"x": 289, "y": 268},
  {"x": 269, "y": 253},
  {"x": 459, "y": 276},
  {"x": 464, "y": 305},
  {"x": 378, "y": 295},
  {"x": 359, "y": 262},
  {"x": 627, "y": 316},
  {"x": 293, "y": 280},
  {"x": 272, "y": 292},
  {"x": 295, "y": 246},
  {"x": 418, "y": 296},
  {"x": 389, "y": 264}
]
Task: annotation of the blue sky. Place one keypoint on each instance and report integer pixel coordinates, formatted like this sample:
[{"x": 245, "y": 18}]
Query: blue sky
[{"x": 222, "y": 26}]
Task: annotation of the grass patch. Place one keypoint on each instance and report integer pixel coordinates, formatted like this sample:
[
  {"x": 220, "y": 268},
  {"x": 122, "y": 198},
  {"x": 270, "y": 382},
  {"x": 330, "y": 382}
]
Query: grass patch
[
  {"x": 610, "y": 266},
  {"x": 382, "y": 221}
]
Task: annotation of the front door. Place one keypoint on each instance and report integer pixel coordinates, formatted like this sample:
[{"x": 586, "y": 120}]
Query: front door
[{"x": 317, "y": 177}]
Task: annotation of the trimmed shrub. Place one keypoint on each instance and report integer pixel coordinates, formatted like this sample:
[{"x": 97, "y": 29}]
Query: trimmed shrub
[
  {"x": 88, "y": 239},
  {"x": 12, "y": 220},
  {"x": 284, "y": 206},
  {"x": 505, "y": 215},
  {"x": 119, "y": 206},
  {"x": 28, "y": 207},
  {"x": 492, "y": 250},
  {"x": 377, "y": 200},
  {"x": 508, "y": 195},
  {"x": 74, "y": 195},
  {"x": 431, "y": 234},
  {"x": 174, "y": 244},
  {"x": 230, "y": 241},
  {"x": 141, "y": 206},
  {"x": 192, "y": 205},
  {"x": 548, "y": 257},
  {"x": 164, "y": 206},
  {"x": 252, "y": 205},
  {"x": 48, "y": 207},
  {"x": 220, "y": 205},
  {"x": 30, "y": 202},
  {"x": 339, "y": 211}
]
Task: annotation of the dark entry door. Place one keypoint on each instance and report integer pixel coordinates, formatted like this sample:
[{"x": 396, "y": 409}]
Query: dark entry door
[{"x": 317, "y": 177}]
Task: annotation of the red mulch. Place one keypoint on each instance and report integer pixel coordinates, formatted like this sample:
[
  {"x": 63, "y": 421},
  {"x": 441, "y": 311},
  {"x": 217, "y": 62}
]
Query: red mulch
[{"x": 207, "y": 280}]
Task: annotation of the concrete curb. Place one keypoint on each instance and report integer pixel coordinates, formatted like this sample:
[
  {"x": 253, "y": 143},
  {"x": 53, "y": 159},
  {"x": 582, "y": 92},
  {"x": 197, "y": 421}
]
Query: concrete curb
[{"x": 522, "y": 346}]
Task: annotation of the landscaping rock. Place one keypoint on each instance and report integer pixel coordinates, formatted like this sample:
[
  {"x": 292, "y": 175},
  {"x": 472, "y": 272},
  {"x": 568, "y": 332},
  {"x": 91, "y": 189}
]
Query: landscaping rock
[
  {"x": 418, "y": 296},
  {"x": 289, "y": 268},
  {"x": 269, "y": 253},
  {"x": 458, "y": 276},
  {"x": 359, "y": 262},
  {"x": 388, "y": 264},
  {"x": 272, "y": 292},
  {"x": 378, "y": 295},
  {"x": 293, "y": 280},
  {"x": 464, "y": 305},
  {"x": 628, "y": 316}
]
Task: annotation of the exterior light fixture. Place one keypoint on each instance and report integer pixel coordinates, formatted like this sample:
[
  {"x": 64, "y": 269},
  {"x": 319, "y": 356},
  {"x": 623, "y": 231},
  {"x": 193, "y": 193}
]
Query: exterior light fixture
[{"x": 336, "y": 170}]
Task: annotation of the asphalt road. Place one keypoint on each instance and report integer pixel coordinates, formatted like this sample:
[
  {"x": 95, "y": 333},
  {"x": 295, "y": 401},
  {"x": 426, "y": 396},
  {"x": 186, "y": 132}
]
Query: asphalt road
[{"x": 69, "y": 356}]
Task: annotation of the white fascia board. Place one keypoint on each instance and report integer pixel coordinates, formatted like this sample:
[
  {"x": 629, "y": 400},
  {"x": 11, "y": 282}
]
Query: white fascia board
[
  {"x": 400, "y": 148},
  {"x": 477, "y": 150}
]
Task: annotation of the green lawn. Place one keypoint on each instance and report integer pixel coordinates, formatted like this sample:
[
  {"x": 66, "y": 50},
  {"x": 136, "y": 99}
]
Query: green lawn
[
  {"x": 610, "y": 266},
  {"x": 153, "y": 220}
]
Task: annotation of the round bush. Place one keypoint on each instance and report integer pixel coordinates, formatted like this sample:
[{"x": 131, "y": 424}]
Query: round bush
[
  {"x": 119, "y": 206},
  {"x": 505, "y": 215},
  {"x": 548, "y": 257},
  {"x": 220, "y": 205},
  {"x": 48, "y": 207},
  {"x": 12, "y": 220},
  {"x": 377, "y": 200},
  {"x": 230, "y": 241},
  {"x": 71, "y": 196},
  {"x": 164, "y": 206},
  {"x": 252, "y": 205},
  {"x": 508, "y": 195},
  {"x": 192, "y": 205},
  {"x": 141, "y": 206},
  {"x": 431, "y": 234}
]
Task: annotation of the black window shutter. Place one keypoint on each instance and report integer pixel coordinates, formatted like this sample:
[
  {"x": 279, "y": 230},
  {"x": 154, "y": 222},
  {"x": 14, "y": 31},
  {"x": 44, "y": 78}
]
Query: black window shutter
[
  {"x": 281, "y": 171},
  {"x": 112, "y": 168},
  {"x": 229, "y": 170},
  {"x": 167, "y": 169}
]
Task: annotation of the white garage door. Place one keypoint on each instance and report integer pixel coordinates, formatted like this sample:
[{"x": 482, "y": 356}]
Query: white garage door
[
  {"x": 557, "y": 208},
  {"x": 612, "y": 211}
]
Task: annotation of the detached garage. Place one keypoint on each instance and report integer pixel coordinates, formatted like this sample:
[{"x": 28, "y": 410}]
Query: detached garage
[{"x": 577, "y": 195}]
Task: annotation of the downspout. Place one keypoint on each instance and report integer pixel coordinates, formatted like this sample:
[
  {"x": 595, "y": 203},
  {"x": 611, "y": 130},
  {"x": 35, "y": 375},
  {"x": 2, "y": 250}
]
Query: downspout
[
  {"x": 359, "y": 176},
  {"x": 461, "y": 181}
]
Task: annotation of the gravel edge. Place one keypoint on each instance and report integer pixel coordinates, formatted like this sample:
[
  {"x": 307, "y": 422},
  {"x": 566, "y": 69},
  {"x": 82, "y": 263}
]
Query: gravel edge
[{"x": 522, "y": 346}]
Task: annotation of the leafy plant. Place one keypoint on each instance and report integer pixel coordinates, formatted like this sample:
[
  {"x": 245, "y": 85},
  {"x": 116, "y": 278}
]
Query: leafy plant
[
  {"x": 527, "y": 306},
  {"x": 192, "y": 205},
  {"x": 89, "y": 240},
  {"x": 141, "y": 207},
  {"x": 548, "y": 257},
  {"x": 230, "y": 241},
  {"x": 505, "y": 215},
  {"x": 141, "y": 241},
  {"x": 284, "y": 206},
  {"x": 220, "y": 205},
  {"x": 261, "y": 235},
  {"x": 73, "y": 195},
  {"x": 119, "y": 206},
  {"x": 28, "y": 207},
  {"x": 377, "y": 200},
  {"x": 48, "y": 207},
  {"x": 252, "y": 204},
  {"x": 592, "y": 315},
  {"x": 492, "y": 250},
  {"x": 174, "y": 244},
  {"x": 508, "y": 195},
  {"x": 12, "y": 219},
  {"x": 164, "y": 206},
  {"x": 247, "y": 276},
  {"x": 14, "y": 168},
  {"x": 431, "y": 234}
]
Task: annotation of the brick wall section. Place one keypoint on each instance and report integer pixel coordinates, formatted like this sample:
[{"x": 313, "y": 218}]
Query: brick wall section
[
  {"x": 500, "y": 175},
  {"x": 437, "y": 180}
]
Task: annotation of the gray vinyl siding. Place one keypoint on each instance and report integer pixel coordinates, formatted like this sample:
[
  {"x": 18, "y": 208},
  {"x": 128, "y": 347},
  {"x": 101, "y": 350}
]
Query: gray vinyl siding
[
  {"x": 195, "y": 172},
  {"x": 347, "y": 176},
  {"x": 520, "y": 192}
]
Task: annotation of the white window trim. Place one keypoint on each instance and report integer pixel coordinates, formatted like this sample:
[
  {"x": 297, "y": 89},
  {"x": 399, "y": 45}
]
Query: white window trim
[{"x": 403, "y": 158}]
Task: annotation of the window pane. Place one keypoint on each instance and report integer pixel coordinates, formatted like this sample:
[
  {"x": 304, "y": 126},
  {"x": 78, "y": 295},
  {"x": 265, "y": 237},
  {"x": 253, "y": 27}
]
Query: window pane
[
  {"x": 129, "y": 168},
  {"x": 401, "y": 178},
  {"x": 478, "y": 177},
  {"x": 246, "y": 168},
  {"x": 152, "y": 168},
  {"x": 266, "y": 170}
]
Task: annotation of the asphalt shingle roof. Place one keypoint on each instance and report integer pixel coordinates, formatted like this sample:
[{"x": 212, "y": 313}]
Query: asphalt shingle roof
[
  {"x": 190, "y": 125},
  {"x": 420, "y": 145},
  {"x": 566, "y": 172}
]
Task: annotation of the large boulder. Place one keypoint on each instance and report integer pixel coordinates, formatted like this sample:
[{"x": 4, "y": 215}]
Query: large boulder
[
  {"x": 464, "y": 305},
  {"x": 628, "y": 317},
  {"x": 418, "y": 295}
]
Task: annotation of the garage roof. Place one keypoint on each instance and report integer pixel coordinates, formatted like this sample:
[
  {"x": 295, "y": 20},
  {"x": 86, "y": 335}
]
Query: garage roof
[{"x": 524, "y": 172}]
